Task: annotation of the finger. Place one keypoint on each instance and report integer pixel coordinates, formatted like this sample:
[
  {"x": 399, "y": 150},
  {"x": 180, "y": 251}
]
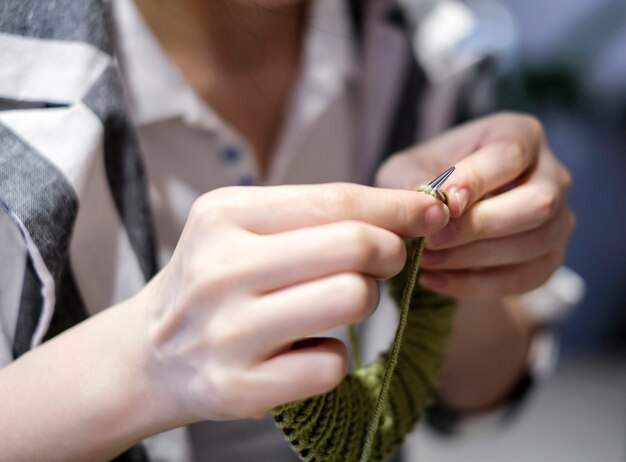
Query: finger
[
  {"x": 453, "y": 145},
  {"x": 523, "y": 208},
  {"x": 277, "y": 209},
  {"x": 489, "y": 168},
  {"x": 516, "y": 249},
  {"x": 493, "y": 282},
  {"x": 457, "y": 144},
  {"x": 280, "y": 260},
  {"x": 309, "y": 309},
  {"x": 312, "y": 367},
  {"x": 488, "y": 154}
]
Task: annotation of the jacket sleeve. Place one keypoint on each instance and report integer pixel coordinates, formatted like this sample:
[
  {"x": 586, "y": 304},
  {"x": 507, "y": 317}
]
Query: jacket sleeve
[{"x": 13, "y": 258}]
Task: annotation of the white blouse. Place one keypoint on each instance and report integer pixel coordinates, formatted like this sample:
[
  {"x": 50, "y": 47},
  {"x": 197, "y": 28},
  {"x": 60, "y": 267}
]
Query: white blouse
[{"x": 189, "y": 150}]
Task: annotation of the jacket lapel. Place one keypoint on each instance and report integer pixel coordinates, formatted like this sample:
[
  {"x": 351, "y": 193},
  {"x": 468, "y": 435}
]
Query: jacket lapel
[
  {"x": 386, "y": 59},
  {"x": 67, "y": 143}
]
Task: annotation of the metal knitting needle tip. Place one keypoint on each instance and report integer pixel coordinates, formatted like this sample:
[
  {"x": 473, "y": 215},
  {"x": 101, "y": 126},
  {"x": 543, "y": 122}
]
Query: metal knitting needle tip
[{"x": 441, "y": 178}]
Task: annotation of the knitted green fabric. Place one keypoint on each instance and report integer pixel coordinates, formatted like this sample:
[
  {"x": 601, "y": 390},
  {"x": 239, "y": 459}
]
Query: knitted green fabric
[{"x": 369, "y": 413}]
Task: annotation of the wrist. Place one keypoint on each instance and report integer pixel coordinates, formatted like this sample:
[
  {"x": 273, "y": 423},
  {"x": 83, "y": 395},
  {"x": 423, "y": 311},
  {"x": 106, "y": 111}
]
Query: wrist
[
  {"x": 153, "y": 384},
  {"x": 488, "y": 353},
  {"x": 81, "y": 395},
  {"x": 117, "y": 401},
  {"x": 134, "y": 410}
]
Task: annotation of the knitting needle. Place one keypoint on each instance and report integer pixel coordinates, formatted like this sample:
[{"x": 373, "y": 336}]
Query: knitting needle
[
  {"x": 441, "y": 178},
  {"x": 432, "y": 188}
]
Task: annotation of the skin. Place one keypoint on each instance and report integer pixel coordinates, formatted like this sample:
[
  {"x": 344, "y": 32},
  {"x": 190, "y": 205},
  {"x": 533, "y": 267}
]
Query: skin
[{"x": 217, "y": 333}]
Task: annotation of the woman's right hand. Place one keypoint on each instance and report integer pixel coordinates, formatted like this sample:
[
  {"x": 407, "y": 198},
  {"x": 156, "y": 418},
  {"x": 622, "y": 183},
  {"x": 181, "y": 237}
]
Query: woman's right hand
[{"x": 257, "y": 273}]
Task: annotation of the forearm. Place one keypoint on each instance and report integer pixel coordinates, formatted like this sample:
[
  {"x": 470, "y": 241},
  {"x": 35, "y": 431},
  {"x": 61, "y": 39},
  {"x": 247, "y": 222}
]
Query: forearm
[
  {"x": 487, "y": 354},
  {"x": 81, "y": 395}
]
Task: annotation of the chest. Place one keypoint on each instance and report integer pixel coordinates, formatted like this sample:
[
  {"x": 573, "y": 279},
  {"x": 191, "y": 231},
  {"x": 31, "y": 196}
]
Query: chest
[
  {"x": 184, "y": 159},
  {"x": 256, "y": 105}
]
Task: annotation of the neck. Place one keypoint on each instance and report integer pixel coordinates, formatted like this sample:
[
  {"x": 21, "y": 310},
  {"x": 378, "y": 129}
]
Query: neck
[
  {"x": 225, "y": 35},
  {"x": 240, "y": 56}
]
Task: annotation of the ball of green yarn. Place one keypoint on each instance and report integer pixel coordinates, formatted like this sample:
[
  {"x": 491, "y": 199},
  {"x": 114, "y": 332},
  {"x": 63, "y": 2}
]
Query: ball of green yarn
[{"x": 355, "y": 421}]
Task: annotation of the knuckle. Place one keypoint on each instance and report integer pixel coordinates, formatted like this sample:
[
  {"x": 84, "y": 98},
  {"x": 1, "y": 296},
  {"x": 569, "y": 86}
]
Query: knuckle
[
  {"x": 546, "y": 204},
  {"x": 356, "y": 296},
  {"x": 214, "y": 281},
  {"x": 508, "y": 117},
  {"x": 225, "y": 387},
  {"x": 538, "y": 241},
  {"x": 194, "y": 282},
  {"x": 197, "y": 212},
  {"x": 225, "y": 336},
  {"x": 358, "y": 245},
  {"x": 340, "y": 197},
  {"x": 479, "y": 226},
  {"x": 333, "y": 369},
  {"x": 516, "y": 156},
  {"x": 333, "y": 373},
  {"x": 475, "y": 179},
  {"x": 213, "y": 207},
  {"x": 534, "y": 125},
  {"x": 409, "y": 222},
  {"x": 503, "y": 116},
  {"x": 397, "y": 256}
]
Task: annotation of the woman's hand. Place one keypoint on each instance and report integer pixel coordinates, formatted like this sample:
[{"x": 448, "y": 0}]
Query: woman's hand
[
  {"x": 509, "y": 229},
  {"x": 257, "y": 273},
  {"x": 225, "y": 330},
  {"x": 511, "y": 221}
]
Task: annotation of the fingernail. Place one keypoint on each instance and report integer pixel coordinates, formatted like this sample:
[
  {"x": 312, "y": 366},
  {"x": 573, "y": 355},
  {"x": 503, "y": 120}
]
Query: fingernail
[
  {"x": 432, "y": 257},
  {"x": 445, "y": 235},
  {"x": 461, "y": 196},
  {"x": 435, "y": 216},
  {"x": 432, "y": 281}
]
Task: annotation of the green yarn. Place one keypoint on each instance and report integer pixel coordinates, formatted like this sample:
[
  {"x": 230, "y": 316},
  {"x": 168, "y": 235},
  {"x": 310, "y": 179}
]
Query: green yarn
[
  {"x": 355, "y": 347},
  {"x": 369, "y": 413}
]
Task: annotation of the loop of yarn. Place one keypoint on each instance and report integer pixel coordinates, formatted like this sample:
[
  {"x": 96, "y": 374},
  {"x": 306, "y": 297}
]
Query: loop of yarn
[{"x": 369, "y": 413}]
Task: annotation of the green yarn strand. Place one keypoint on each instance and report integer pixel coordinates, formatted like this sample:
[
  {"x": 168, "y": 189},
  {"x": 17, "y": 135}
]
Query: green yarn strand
[
  {"x": 414, "y": 261},
  {"x": 355, "y": 347},
  {"x": 367, "y": 416}
]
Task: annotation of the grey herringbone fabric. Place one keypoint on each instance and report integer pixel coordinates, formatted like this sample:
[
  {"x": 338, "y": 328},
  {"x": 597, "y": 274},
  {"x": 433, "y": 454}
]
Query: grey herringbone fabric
[{"x": 38, "y": 189}]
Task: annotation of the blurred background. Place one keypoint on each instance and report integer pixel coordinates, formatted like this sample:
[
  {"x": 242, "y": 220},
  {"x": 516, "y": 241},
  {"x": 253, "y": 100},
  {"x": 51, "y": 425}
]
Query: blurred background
[
  {"x": 571, "y": 72},
  {"x": 565, "y": 62}
]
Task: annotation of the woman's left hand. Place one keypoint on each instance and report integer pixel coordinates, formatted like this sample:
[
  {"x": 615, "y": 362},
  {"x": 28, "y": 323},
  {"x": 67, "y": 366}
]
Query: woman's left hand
[{"x": 507, "y": 197}]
